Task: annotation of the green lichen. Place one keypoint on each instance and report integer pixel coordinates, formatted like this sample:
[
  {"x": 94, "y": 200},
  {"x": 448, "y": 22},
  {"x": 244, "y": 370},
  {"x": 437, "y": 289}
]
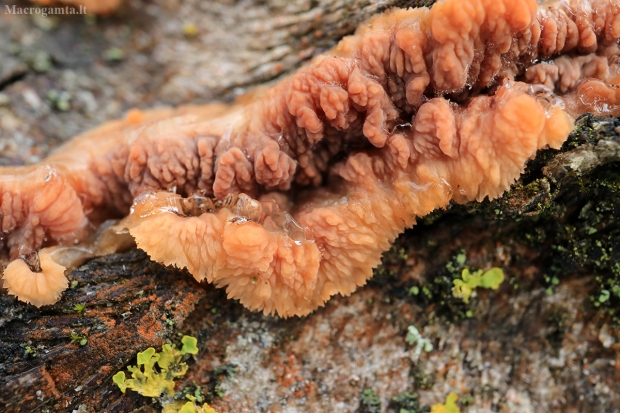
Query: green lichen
[
  {"x": 114, "y": 54},
  {"x": 464, "y": 288},
  {"x": 394, "y": 260},
  {"x": 408, "y": 403},
  {"x": 29, "y": 349},
  {"x": 192, "y": 392},
  {"x": 179, "y": 406},
  {"x": 79, "y": 339},
  {"x": 566, "y": 216},
  {"x": 414, "y": 338},
  {"x": 551, "y": 282},
  {"x": 370, "y": 402},
  {"x": 587, "y": 238},
  {"x": 154, "y": 376},
  {"x": 438, "y": 290},
  {"x": 448, "y": 407}
]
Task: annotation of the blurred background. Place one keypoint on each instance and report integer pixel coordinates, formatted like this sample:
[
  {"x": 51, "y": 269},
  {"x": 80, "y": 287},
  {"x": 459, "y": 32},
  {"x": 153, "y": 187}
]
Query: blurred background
[{"x": 63, "y": 74}]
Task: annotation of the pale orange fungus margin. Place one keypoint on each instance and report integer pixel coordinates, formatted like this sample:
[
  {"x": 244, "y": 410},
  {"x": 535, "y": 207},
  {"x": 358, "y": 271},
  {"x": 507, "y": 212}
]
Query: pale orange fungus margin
[{"x": 290, "y": 196}]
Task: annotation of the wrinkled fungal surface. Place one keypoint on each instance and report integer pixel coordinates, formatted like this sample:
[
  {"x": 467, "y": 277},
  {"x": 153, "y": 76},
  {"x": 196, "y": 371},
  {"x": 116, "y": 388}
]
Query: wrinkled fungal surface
[
  {"x": 90, "y": 6},
  {"x": 291, "y": 195}
]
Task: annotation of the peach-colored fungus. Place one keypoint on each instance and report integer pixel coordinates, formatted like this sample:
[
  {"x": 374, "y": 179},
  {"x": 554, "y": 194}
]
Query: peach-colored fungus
[
  {"x": 291, "y": 195},
  {"x": 44, "y": 284},
  {"x": 91, "y": 6},
  {"x": 37, "y": 288}
]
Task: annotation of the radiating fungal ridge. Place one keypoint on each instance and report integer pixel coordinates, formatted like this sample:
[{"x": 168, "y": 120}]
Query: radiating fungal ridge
[{"x": 291, "y": 195}]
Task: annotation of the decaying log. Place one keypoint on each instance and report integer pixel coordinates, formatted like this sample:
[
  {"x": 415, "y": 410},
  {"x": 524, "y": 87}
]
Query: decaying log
[
  {"x": 130, "y": 303},
  {"x": 545, "y": 341}
]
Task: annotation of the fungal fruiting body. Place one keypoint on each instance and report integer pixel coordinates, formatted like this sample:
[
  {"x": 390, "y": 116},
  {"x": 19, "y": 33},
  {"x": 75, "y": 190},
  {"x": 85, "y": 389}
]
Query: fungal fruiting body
[
  {"x": 291, "y": 195},
  {"x": 89, "y": 6},
  {"x": 36, "y": 287}
]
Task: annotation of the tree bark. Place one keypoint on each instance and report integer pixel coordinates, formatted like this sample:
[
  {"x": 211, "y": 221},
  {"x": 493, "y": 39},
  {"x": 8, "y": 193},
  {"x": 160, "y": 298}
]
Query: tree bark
[{"x": 545, "y": 341}]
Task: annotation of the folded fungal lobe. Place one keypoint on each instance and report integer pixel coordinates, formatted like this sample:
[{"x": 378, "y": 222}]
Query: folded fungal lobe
[
  {"x": 292, "y": 194},
  {"x": 38, "y": 288}
]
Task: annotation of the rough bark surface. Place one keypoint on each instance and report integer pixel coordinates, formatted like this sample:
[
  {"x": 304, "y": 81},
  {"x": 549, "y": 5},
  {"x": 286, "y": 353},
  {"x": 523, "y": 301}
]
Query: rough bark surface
[{"x": 547, "y": 340}]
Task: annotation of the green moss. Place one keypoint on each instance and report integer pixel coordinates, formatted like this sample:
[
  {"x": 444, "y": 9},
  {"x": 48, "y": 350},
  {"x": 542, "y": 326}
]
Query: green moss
[
  {"x": 567, "y": 219},
  {"x": 29, "y": 349},
  {"x": 59, "y": 100},
  {"x": 438, "y": 290},
  {"x": 574, "y": 229}
]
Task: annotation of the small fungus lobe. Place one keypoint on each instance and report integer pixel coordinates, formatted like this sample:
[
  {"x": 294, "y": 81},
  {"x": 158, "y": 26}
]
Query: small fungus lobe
[
  {"x": 91, "y": 6},
  {"x": 38, "y": 288},
  {"x": 291, "y": 195}
]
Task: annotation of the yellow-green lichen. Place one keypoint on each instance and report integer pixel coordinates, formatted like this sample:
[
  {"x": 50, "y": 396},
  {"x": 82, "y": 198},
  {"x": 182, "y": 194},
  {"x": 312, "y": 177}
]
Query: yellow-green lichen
[
  {"x": 179, "y": 406},
  {"x": 154, "y": 376},
  {"x": 79, "y": 339},
  {"x": 448, "y": 407},
  {"x": 465, "y": 287}
]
